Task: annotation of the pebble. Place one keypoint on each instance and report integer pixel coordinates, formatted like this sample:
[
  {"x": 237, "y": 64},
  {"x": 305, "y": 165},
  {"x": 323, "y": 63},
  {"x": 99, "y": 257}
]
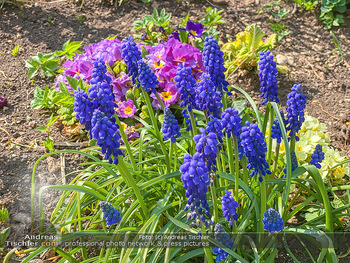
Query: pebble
[
  {"x": 290, "y": 60},
  {"x": 281, "y": 59},
  {"x": 288, "y": 39},
  {"x": 24, "y": 156},
  {"x": 330, "y": 85},
  {"x": 322, "y": 76}
]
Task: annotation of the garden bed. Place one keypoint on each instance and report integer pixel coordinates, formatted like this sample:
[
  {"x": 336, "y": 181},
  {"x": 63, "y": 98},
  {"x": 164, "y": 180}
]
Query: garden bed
[{"x": 44, "y": 28}]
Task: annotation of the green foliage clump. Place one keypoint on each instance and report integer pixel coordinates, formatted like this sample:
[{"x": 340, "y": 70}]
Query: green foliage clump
[{"x": 243, "y": 53}]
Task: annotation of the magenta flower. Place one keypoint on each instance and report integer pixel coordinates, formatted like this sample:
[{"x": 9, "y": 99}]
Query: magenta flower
[
  {"x": 109, "y": 50},
  {"x": 120, "y": 86},
  {"x": 126, "y": 109},
  {"x": 169, "y": 96},
  {"x": 195, "y": 29}
]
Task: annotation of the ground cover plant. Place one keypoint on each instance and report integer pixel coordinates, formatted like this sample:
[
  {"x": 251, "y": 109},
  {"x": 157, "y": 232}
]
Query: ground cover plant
[{"x": 174, "y": 154}]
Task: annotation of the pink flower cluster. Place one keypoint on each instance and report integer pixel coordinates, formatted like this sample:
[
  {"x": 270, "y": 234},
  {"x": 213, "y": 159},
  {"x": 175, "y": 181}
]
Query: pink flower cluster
[{"x": 163, "y": 59}]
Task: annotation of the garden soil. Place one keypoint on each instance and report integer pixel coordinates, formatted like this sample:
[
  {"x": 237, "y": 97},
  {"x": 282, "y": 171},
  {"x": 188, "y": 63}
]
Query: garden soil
[{"x": 45, "y": 27}]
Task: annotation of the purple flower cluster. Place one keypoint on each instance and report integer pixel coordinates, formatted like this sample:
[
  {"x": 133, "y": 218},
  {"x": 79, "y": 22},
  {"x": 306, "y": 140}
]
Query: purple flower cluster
[
  {"x": 272, "y": 221},
  {"x": 268, "y": 77},
  {"x": 131, "y": 56},
  {"x": 111, "y": 213},
  {"x": 296, "y": 104},
  {"x": 231, "y": 122},
  {"x": 214, "y": 63},
  {"x": 276, "y": 132},
  {"x": 195, "y": 179},
  {"x": 317, "y": 157},
  {"x": 171, "y": 128},
  {"x": 229, "y": 207},
  {"x": 254, "y": 147},
  {"x": 147, "y": 79},
  {"x": 224, "y": 238},
  {"x": 81, "y": 67},
  {"x": 207, "y": 98},
  {"x": 194, "y": 29}
]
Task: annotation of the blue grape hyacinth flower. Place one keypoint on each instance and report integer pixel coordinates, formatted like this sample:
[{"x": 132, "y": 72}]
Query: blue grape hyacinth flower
[
  {"x": 272, "y": 221},
  {"x": 294, "y": 161},
  {"x": 208, "y": 146},
  {"x": 214, "y": 63},
  {"x": 268, "y": 77},
  {"x": 296, "y": 104},
  {"x": 229, "y": 207},
  {"x": 111, "y": 213},
  {"x": 207, "y": 98},
  {"x": 195, "y": 179},
  {"x": 131, "y": 56},
  {"x": 101, "y": 92},
  {"x": 276, "y": 132},
  {"x": 83, "y": 108},
  {"x": 171, "y": 128},
  {"x": 147, "y": 79},
  {"x": 185, "y": 82},
  {"x": 105, "y": 131},
  {"x": 231, "y": 122},
  {"x": 317, "y": 157},
  {"x": 224, "y": 238},
  {"x": 254, "y": 147}
]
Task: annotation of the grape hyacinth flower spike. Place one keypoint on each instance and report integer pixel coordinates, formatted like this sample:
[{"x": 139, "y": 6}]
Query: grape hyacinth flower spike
[
  {"x": 101, "y": 92},
  {"x": 254, "y": 147},
  {"x": 185, "y": 83},
  {"x": 295, "y": 110},
  {"x": 317, "y": 157},
  {"x": 195, "y": 179},
  {"x": 207, "y": 98},
  {"x": 105, "y": 131},
  {"x": 229, "y": 207},
  {"x": 214, "y": 63},
  {"x": 111, "y": 213},
  {"x": 272, "y": 221},
  {"x": 171, "y": 128},
  {"x": 131, "y": 56},
  {"x": 147, "y": 79},
  {"x": 83, "y": 108},
  {"x": 231, "y": 122},
  {"x": 294, "y": 161},
  {"x": 268, "y": 77},
  {"x": 224, "y": 238},
  {"x": 276, "y": 132}
]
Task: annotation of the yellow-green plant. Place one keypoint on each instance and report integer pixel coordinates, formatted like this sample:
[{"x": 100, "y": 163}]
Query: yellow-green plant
[{"x": 244, "y": 52}]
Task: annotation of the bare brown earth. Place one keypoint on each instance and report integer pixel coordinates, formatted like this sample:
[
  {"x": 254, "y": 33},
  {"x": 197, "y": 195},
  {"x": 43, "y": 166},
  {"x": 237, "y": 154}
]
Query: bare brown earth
[{"x": 309, "y": 44}]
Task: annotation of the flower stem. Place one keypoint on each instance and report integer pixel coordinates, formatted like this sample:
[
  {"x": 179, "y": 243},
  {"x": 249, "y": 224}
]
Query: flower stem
[
  {"x": 129, "y": 179},
  {"x": 208, "y": 254},
  {"x": 262, "y": 211},
  {"x": 292, "y": 143},
  {"x": 277, "y": 151},
  {"x": 215, "y": 202},
  {"x": 126, "y": 142},
  {"x": 156, "y": 129},
  {"x": 269, "y": 144},
  {"x": 236, "y": 167},
  {"x": 245, "y": 170},
  {"x": 160, "y": 101}
]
